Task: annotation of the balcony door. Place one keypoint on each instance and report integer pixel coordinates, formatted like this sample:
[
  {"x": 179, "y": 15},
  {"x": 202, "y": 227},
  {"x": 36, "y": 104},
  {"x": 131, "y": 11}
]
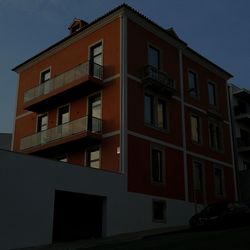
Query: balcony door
[
  {"x": 94, "y": 113},
  {"x": 63, "y": 121},
  {"x": 96, "y": 60},
  {"x": 42, "y": 126}
]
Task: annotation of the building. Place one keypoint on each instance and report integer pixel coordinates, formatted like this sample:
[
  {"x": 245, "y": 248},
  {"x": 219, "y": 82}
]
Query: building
[
  {"x": 240, "y": 106},
  {"x": 5, "y": 141},
  {"x": 126, "y": 97}
]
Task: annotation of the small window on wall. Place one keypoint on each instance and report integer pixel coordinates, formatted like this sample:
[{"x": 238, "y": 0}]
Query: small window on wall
[
  {"x": 45, "y": 75},
  {"x": 198, "y": 176},
  {"x": 212, "y": 100},
  {"x": 159, "y": 211},
  {"x": 218, "y": 181},
  {"x": 192, "y": 84},
  {"x": 153, "y": 57},
  {"x": 93, "y": 158},
  {"x": 215, "y": 136},
  {"x": 157, "y": 165},
  {"x": 155, "y": 111},
  {"x": 195, "y": 128},
  {"x": 149, "y": 109}
]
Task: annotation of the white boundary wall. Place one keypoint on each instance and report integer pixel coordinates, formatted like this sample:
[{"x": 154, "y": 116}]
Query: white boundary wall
[{"x": 27, "y": 188}]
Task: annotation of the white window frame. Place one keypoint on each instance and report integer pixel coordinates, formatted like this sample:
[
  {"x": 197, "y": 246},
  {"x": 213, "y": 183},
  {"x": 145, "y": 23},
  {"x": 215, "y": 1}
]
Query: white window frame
[
  {"x": 164, "y": 220},
  {"x": 222, "y": 179},
  {"x": 163, "y": 170}
]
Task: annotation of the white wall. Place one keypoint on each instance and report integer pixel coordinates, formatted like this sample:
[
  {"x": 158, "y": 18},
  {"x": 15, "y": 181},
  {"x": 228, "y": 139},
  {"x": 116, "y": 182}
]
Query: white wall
[{"x": 27, "y": 186}]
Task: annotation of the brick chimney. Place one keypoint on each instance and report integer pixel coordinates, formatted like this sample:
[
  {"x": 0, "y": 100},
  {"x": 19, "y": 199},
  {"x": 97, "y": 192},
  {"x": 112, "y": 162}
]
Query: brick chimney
[{"x": 76, "y": 25}]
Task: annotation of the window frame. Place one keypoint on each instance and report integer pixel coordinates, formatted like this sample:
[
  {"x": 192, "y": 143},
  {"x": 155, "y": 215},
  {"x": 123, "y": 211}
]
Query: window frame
[
  {"x": 200, "y": 135},
  {"x": 57, "y": 118},
  {"x": 154, "y": 124},
  {"x": 197, "y": 95},
  {"x": 216, "y": 124},
  {"x": 202, "y": 188},
  {"x": 37, "y": 121},
  {"x": 42, "y": 72},
  {"x": 163, "y": 170},
  {"x": 164, "y": 203},
  {"x": 216, "y": 105},
  {"x": 156, "y": 48},
  {"x": 87, "y": 160},
  {"x": 222, "y": 194}
]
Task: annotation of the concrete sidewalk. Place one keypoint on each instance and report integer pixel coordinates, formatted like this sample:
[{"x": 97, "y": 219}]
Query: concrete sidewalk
[{"x": 113, "y": 240}]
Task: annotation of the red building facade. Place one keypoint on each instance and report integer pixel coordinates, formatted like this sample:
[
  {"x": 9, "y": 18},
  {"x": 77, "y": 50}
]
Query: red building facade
[{"x": 122, "y": 94}]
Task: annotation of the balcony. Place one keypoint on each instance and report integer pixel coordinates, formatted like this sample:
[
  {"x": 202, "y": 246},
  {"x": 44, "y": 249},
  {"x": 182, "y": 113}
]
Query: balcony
[
  {"x": 242, "y": 115},
  {"x": 158, "y": 81},
  {"x": 80, "y": 80},
  {"x": 243, "y": 145},
  {"x": 86, "y": 130}
]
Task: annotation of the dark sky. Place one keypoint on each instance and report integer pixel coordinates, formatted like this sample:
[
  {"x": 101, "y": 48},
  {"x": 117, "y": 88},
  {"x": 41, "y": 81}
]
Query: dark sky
[{"x": 218, "y": 29}]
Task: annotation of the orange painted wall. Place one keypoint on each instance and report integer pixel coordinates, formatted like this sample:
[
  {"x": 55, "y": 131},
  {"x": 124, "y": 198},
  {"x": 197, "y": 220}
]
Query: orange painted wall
[
  {"x": 203, "y": 76},
  {"x": 208, "y": 194},
  {"x": 139, "y": 171},
  {"x": 63, "y": 60}
]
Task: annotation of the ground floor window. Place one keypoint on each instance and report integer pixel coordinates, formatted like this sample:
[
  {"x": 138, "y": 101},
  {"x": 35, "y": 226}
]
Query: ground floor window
[
  {"x": 159, "y": 211},
  {"x": 93, "y": 158}
]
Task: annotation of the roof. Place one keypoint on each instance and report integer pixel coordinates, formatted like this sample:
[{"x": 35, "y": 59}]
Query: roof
[{"x": 171, "y": 32}]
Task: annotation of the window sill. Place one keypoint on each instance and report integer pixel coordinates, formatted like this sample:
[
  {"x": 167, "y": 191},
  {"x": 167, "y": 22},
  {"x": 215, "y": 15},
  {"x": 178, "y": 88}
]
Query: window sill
[{"x": 163, "y": 130}]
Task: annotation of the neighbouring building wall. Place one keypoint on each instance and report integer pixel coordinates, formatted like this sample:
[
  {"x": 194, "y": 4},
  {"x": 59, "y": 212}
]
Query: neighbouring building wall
[
  {"x": 5, "y": 141},
  {"x": 27, "y": 192}
]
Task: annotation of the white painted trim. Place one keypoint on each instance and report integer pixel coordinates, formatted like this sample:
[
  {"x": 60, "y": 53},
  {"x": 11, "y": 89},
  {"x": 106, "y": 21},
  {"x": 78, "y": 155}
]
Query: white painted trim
[
  {"x": 231, "y": 129},
  {"x": 111, "y": 134},
  {"x": 24, "y": 114},
  {"x": 183, "y": 127},
  {"x": 156, "y": 141},
  {"x": 196, "y": 108},
  {"x": 134, "y": 78},
  {"x": 14, "y": 120},
  {"x": 209, "y": 159},
  {"x": 70, "y": 41},
  {"x": 111, "y": 78},
  {"x": 123, "y": 94}
]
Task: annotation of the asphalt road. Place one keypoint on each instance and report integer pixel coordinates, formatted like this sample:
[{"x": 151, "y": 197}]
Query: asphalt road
[{"x": 236, "y": 238}]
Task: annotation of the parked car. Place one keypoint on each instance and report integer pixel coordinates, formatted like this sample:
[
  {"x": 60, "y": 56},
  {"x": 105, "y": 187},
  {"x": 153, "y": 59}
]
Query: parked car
[{"x": 221, "y": 215}]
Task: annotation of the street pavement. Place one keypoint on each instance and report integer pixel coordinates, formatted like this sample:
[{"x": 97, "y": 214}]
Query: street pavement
[{"x": 235, "y": 238}]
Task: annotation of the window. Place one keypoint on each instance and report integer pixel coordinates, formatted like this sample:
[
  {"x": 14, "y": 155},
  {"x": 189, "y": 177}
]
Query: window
[
  {"x": 161, "y": 114},
  {"x": 192, "y": 84},
  {"x": 212, "y": 94},
  {"x": 159, "y": 211},
  {"x": 94, "y": 113},
  {"x": 195, "y": 128},
  {"x": 42, "y": 122},
  {"x": 246, "y": 165},
  {"x": 63, "y": 115},
  {"x": 148, "y": 109},
  {"x": 96, "y": 60},
  {"x": 154, "y": 57},
  {"x": 93, "y": 158},
  {"x": 155, "y": 111},
  {"x": 198, "y": 176},
  {"x": 215, "y": 136},
  {"x": 157, "y": 165},
  {"x": 218, "y": 181},
  {"x": 62, "y": 158},
  {"x": 45, "y": 76}
]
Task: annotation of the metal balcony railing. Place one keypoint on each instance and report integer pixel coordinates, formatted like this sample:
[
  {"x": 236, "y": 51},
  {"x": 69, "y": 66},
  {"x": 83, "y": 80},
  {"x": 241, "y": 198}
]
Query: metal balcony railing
[
  {"x": 84, "y": 124},
  {"x": 84, "y": 69},
  {"x": 162, "y": 78}
]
